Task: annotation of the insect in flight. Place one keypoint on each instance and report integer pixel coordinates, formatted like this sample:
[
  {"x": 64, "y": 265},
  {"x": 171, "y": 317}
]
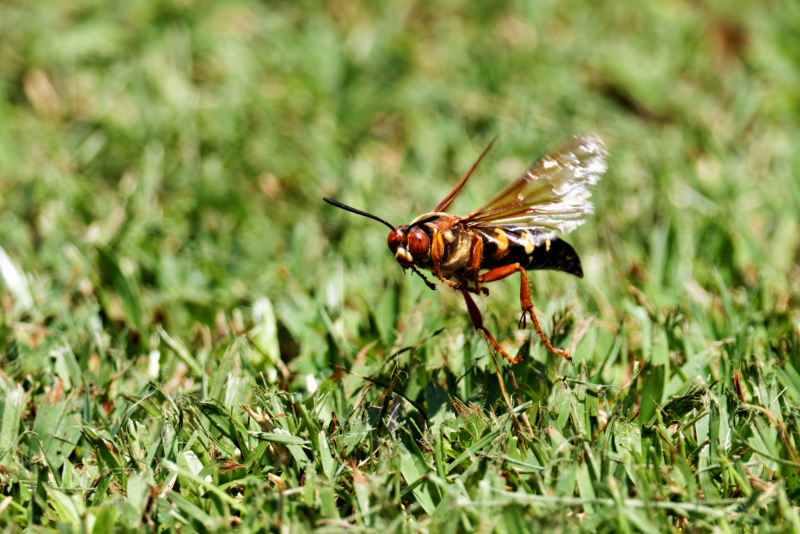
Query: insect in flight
[{"x": 518, "y": 230}]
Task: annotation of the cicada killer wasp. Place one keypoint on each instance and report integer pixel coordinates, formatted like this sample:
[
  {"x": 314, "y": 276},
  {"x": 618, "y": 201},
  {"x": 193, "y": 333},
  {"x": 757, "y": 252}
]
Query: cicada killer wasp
[{"x": 517, "y": 231}]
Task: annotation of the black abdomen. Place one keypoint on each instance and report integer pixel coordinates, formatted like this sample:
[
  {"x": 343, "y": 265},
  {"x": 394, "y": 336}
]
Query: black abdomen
[{"x": 533, "y": 249}]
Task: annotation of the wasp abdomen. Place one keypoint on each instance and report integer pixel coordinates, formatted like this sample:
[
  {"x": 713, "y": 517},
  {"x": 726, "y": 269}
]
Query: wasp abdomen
[{"x": 533, "y": 249}]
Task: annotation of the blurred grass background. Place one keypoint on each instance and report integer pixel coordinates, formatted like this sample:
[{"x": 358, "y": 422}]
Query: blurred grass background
[{"x": 165, "y": 247}]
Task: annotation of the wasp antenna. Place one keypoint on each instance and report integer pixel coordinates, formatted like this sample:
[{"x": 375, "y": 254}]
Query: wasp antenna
[{"x": 357, "y": 212}]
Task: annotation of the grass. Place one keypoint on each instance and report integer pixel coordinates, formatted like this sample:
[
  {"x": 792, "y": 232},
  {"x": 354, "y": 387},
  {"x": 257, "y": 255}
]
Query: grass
[{"x": 193, "y": 341}]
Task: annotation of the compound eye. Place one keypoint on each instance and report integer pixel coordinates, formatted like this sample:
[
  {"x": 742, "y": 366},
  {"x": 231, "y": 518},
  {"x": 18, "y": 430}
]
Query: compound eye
[
  {"x": 418, "y": 244},
  {"x": 395, "y": 238}
]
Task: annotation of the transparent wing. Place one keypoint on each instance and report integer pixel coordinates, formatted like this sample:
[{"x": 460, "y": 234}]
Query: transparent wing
[{"x": 554, "y": 194}]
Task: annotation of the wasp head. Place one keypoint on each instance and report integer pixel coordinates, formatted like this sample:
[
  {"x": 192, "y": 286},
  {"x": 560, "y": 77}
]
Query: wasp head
[{"x": 408, "y": 243}]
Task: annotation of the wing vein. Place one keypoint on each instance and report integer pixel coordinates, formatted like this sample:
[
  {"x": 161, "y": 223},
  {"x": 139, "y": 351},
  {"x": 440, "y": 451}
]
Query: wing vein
[{"x": 553, "y": 194}]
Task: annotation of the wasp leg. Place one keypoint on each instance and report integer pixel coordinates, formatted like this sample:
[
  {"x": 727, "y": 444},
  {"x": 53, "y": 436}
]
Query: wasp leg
[
  {"x": 478, "y": 290},
  {"x": 525, "y": 298},
  {"x": 474, "y": 266},
  {"x": 428, "y": 283},
  {"x": 463, "y": 284},
  {"x": 477, "y": 320},
  {"x": 437, "y": 253}
]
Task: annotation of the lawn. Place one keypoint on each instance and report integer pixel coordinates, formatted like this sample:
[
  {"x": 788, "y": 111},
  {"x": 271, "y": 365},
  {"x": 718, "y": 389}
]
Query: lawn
[{"x": 193, "y": 341}]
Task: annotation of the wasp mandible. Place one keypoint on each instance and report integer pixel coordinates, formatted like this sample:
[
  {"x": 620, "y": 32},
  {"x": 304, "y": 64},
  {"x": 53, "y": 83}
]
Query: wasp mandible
[{"x": 517, "y": 231}]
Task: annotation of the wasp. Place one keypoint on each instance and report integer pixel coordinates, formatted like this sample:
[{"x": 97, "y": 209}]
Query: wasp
[{"x": 518, "y": 230}]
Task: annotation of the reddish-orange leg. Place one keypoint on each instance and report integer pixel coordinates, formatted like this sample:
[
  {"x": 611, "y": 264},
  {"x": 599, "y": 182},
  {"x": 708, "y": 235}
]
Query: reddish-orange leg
[
  {"x": 477, "y": 320},
  {"x": 475, "y": 259},
  {"x": 525, "y": 298}
]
